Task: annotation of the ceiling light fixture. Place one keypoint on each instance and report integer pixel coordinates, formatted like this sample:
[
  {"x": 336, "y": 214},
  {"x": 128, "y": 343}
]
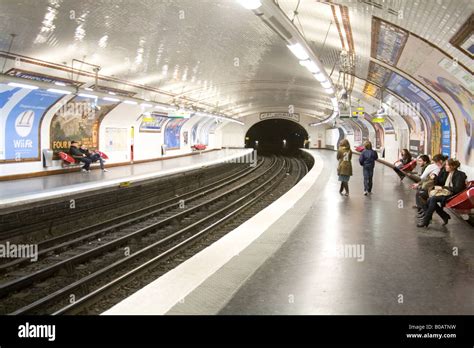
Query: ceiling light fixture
[
  {"x": 111, "y": 99},
  {"x": 298, "y": 51},
  {"x": 320, "y": 77},
  {"x": 326, "y": 84},
  {"x": 250, "y": 4},
  {"x": 58, "y": 91},
  {"x": 22, "y": 85},
  {"x": 311, "y": 66},
  {"x": 83, "y": 95}
]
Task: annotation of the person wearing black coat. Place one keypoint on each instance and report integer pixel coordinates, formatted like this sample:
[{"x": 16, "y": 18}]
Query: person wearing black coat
[
  {"x": 448, "y": 183},
  {"x": 367, "y": 161},
  {"x": 76, "y": 153}
]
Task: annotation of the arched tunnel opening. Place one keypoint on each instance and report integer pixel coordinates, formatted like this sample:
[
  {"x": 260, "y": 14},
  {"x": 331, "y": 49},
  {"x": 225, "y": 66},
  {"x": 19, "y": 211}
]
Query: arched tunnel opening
[{"x": 282, "y": 137}]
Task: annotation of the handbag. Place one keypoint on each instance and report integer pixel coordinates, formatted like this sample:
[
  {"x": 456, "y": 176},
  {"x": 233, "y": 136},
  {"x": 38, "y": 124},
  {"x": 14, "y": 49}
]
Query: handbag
[{"x": 442, "y": 192}]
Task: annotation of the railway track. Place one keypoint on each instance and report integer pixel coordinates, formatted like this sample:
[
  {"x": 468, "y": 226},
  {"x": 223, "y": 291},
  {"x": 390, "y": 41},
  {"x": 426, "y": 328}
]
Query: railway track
[{"x": 78, "y": 269}]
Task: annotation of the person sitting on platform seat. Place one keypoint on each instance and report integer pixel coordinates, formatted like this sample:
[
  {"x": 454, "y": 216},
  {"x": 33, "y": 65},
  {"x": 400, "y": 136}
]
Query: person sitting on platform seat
[
  {"x": 426, "y": 182},
  {"x": 367, "y": 161},
  {"x": 76, "y": 153},
  {"x": 344, "y": 168},
  {"x": 448, "y": 183},
  {"x": 404, "y": 160},
  {"x": 94, "y": 157}
]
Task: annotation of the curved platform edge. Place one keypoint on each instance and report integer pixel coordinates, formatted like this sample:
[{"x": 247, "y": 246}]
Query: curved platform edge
[
  {"x": 204, "y": 283},
  {"x": 98, "y": 185}
]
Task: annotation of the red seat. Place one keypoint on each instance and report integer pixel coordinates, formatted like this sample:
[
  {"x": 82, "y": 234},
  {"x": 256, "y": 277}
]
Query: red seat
[
  {"x": 359, "y": 148},
  {"x": 103, "y": 155},
  {"x": 464, "y": 201},
  {"x": 409, "y": 166},
  {"x": 199, "y": 147},
  {"x": 67, "y": 158}
]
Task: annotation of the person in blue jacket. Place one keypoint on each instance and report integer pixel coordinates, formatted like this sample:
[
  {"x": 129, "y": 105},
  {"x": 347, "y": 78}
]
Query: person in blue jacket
[{"x": 367, "y": 161}]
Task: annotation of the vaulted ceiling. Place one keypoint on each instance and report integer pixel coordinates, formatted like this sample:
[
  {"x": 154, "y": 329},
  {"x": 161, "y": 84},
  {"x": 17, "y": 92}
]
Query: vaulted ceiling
[{"x": 215, "y": 51}]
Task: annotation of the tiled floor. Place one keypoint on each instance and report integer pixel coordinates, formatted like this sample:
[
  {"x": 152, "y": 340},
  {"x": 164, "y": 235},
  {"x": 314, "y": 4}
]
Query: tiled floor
[{"x": 364, "y": 255}]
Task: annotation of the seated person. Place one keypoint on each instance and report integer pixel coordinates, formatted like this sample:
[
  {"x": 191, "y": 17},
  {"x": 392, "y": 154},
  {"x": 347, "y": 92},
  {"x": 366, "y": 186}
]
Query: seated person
[
  {"x": 427, "y": 178},
  {"x": 423, "y": 161},
  {"x": 448, "y": 183},
  {"x": 403, "y": 161},
  {"x": 93, "y": 156},
  {"x": 75, "y": 152}
]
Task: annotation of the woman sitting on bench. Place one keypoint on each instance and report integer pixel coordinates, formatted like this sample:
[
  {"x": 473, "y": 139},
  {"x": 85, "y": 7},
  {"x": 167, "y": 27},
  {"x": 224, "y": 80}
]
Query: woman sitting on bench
[
  {"x": 406, "y": 158},
  {"x": 449, "y": 182}
]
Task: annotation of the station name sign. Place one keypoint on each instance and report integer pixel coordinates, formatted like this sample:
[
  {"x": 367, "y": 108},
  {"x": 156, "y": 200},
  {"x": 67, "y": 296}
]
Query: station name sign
[{"x": 287, "y": 115}]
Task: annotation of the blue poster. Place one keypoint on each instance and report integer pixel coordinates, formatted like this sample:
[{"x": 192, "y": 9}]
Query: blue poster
[
  {"x": 172, "y": 131},
  {"x": 431, "y": 111},
  {"x": 23, "y": 121}
]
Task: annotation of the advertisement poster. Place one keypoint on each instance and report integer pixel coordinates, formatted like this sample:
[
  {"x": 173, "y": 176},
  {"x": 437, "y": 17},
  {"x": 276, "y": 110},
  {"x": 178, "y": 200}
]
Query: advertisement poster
[
  {"x": 116, "y": 139},
  {"x": 388, "y": 41},
  {"x": 195, "y": 132},
  {"x": 431, "y": 111},
  {"x": 451, "y": 82},
  {"x": 205, "y": 130},
  {"x": 79, "y": 120},
  {"x": 153, "y": 123},
  {"x": 23, "y": 120},
  {"x": 172, "y": 133},
  {"x": 364, "y": 129}
]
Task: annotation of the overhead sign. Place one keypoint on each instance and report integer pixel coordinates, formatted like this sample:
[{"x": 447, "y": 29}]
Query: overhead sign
[
  {"x": 358, "y": 112},
  {"x": 286, "y": 115},
  {"x": 180, "y": 114},
  {"x": 378, "y": 120},
  {"x": 34, "y": 76}
]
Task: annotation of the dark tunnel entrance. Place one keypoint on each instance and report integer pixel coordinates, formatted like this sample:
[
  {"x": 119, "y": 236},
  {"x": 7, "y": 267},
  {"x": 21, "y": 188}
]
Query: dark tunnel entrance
[{"x": 277, "y": 136}]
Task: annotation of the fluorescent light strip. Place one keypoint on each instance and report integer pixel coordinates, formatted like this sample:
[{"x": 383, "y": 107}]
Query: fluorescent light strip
[
  {"x": 326, "y": 84},
  {"x": 83, "y": 95},
  {"x": 298, "y": 51},
  {"x": 130, "y": 102},
  {"x": 58, "y": 91},
  {"x": 60, "y": 84},
  {"x": 311, "y": 66},
  {"x": 88, "y": 89},
  {"x": 22, "y": 85},
  {"x": 111, "y": 99},
  {"x": 145, "y": 105},
  {"x": 250, "y": 4},
  {"x": 320, "y": 77}
]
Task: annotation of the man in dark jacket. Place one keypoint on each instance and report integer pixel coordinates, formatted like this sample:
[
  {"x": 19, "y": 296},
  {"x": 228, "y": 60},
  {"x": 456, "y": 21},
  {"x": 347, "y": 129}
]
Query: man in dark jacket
[
  {"x": 76, "y": 153},
  {"x": 94, "y": 157},
  {"x": 448, "y": 183},
  {"x": 367, "y": 161}
]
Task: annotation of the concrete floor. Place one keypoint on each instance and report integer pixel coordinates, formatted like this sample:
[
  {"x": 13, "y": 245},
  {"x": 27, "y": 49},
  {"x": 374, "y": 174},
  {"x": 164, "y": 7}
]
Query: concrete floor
[{"x": 364, "y": 255}]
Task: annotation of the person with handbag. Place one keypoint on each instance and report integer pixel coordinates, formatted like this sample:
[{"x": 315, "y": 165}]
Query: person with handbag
[
  {"x": 344, "y": 168},
  {"x": 448, "y": 183},
  {"x": 427, "y": 178}
]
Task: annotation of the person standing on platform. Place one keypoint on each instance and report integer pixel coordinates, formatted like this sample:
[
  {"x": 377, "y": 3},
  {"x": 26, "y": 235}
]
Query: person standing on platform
[
  {"x": 367, "y": 161},
  {"x": 344, "y": 168}
]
